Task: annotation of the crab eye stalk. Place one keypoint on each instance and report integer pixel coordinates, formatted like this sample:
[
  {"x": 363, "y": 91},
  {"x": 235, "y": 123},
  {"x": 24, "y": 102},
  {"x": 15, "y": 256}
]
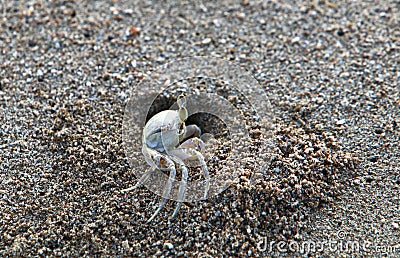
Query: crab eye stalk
[
  {"x": 181, "y": 101},
  {"x": 183, "y": 115},
  {"x": 182, "y": 112}
]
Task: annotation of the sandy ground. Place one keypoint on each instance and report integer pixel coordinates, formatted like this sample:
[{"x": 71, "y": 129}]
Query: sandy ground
[{"x": 331, "y": 72}]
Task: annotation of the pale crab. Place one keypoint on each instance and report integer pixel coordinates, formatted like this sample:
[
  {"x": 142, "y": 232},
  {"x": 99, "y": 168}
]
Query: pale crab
[{"x": 167, "y": 144}]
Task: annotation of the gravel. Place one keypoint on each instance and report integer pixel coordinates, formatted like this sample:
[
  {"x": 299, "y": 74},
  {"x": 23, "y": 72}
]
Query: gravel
[{"x": 331, "y": 72}]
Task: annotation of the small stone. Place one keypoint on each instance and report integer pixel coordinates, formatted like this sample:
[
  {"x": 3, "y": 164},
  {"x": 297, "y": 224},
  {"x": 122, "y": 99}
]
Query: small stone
[
  {"x": 132, "y": 31},
  {"x": 168, "y": 245},
  {"x": 248, "y": 230},
  {"x": 241, "y": 15},
  {"x": 341, "y": 122},
  {"x": 125, "y": 244},
  {"x": 56, "y": 43},
  {"x": 217, "y": 23},
  {"x": 206, "y": 41},
  {"x": 331, "y": 5},
  {"x": 39, "y": 73},
  {"x": 245, "y": 2},
  {"x": 295, "y": 40},
  {"x": 128, "y": 11}
]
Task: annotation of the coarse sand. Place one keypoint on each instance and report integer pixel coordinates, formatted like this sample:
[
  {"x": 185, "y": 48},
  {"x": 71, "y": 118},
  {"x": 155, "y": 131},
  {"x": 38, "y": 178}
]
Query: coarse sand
[{"x": 330, "y": 70}]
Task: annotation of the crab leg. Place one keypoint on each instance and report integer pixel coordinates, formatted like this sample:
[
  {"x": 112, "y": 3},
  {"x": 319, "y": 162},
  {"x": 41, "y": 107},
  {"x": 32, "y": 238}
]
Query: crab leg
[
  {"x": 190, "y": 153},
  {"x": 163, "y": 201},
  {"x": 167, "y": 189},
  {"x": 206, "y": 174},
  {"x": 193, "y": 143},
  {"x": 192, "y": 130},
  {"x": 182, "y": 189},
  {"x": 151, "y": 157}
]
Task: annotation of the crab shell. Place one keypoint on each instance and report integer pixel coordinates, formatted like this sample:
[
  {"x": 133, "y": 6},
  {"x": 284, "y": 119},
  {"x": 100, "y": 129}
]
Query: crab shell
[{"x": 163, "y": 131}]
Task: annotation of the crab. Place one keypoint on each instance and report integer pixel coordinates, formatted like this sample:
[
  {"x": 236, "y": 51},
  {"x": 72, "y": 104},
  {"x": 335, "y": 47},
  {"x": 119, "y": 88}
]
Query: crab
[{"x": 167, "y": 144}]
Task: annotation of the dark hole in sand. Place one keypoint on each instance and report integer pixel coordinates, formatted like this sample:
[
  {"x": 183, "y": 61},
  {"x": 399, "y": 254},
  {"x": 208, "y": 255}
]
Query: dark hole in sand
[{"x": 209, "y": 123}]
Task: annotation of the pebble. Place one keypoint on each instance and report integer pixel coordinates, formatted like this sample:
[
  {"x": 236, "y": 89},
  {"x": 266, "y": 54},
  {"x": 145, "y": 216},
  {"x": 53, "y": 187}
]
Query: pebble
[
  {"x": 206, "y": 41},
  {"x": 168, "y": 245},
  {"x": 295, "y": 40},
  {"x": 39, "y": 73},
  {"x": 341, "y": 122}
]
